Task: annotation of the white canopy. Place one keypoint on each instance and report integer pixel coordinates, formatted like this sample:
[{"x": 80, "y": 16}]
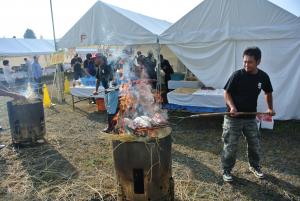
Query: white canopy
[
  {"x": 110, "y": 25},
  {"x": 25, "y": 47},
  {"x": 211, "y": 38}
]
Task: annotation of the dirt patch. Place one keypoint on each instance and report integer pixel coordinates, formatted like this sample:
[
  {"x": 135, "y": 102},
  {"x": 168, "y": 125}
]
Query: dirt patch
[{"x": 76, "y": 163}]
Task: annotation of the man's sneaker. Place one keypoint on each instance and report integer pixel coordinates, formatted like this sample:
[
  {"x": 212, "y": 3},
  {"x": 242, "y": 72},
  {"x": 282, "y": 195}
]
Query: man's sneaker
[
  {"x": 227, "y": 176},
  {"x": 257, "y": 172},
  {"x": 2, "y": 146}
]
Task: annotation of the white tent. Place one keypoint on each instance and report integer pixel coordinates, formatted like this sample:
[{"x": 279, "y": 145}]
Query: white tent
[
  {"x": 109, "y": 25},
  {"x": 211, "y": 38},
  {"x": 12, "y": 47}
]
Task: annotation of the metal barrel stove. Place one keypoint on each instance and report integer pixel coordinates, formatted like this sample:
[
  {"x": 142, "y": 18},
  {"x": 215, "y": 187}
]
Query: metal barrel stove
[
  {"x": 27, "y": 121},
  {"x": 144, "y": 169}
]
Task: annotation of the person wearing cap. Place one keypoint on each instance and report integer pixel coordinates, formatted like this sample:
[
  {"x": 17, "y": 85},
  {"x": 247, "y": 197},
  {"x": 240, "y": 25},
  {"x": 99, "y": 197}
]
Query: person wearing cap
[{"x": 104, "y": 75}]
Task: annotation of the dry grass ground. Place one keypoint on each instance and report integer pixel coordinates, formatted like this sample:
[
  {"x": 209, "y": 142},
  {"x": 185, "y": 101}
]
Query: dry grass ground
[{"x": 76, "y": 164}]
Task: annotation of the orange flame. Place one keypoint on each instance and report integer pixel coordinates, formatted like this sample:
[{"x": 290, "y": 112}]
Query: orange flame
[
  {"x": 157, "y": 97},
  {"x": 128, "y": 102}
]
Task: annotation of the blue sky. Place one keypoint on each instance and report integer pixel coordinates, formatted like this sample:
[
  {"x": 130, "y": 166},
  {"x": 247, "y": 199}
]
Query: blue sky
[{"x": 17, "y": 15}]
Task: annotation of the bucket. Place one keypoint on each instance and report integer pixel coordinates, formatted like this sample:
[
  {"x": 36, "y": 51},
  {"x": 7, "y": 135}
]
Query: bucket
[
  {"x": 177, "y": 76},
  {"x": 27, "y": 121},
  {"x": 100, "y": 104}
]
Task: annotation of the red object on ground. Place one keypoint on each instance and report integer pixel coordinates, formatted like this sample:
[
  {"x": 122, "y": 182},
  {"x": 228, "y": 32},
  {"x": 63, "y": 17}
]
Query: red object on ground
[{"x": 100, "y": 104}]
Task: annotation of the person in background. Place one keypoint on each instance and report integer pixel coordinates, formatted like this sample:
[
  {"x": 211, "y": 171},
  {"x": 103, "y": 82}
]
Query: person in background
[
  {"x": 28, "y": 68},
  {"x": 37, "y": 73},
  {"x": 167, "y": 68},
  {"x": 5, "y": 92},
  {"x": 76, "y": 63},
  {"x": 89, "y": 65},
  {"x": 8, "y": 74},
  {"x": 136, "y": 58},
  {"x": 90, "y": 70},
  {"x": 241, "y": 93},
  {"x": 139, "y": 66},
  {"x": 104, "y": 75},
  {"x": 140, "y": 59},
  {"x": 150, "y": 64}
]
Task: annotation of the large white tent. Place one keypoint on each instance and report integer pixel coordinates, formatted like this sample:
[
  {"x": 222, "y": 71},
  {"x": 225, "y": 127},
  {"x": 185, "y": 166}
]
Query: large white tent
[
  {"x": 211, "y": 38},
  {"x": 104, "y": 24},
  {"x": 13, "y": 47}
]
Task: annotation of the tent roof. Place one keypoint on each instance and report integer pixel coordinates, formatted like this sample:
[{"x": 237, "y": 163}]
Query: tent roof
[
  {"x": 25, "y": 47},
  {"x": 111, "y": 25},
  {"x": 156, "y": 26},
  {"x": 215, "y": 20}
]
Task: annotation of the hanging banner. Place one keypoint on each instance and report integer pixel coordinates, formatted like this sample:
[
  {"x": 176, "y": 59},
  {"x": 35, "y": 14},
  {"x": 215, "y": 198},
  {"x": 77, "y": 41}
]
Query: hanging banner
[{"x": 57, "y": 58}]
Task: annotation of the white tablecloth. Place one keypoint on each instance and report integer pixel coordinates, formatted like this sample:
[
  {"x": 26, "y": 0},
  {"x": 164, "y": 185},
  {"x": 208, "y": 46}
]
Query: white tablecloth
[
  {"x": 174, "y": 84},
  {"x": 16, "y": 75},
  {"x": 86, "y": 92},
  {"x": 200, "y": 98}
]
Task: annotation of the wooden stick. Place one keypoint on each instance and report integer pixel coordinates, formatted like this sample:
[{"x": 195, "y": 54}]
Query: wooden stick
[{"x": 226, "y": 113}]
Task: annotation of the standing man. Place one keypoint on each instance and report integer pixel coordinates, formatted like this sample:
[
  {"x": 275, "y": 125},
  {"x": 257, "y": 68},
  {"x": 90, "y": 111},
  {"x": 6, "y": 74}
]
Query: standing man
[
  {"x": 167, "y": 68},
  {"x": 89, "y": 65},
  {"x": 90, "y": 70},
  {"x": 29, "y": 69},
  {"x": 150, "y": 65},
  {"x": 136, "y": 58},
  {"x": 8, "y": 74},
  {"x": 241, "y": 93},
  {"x": 37, "y": 74},
  {"x": 76, "y": 65}
]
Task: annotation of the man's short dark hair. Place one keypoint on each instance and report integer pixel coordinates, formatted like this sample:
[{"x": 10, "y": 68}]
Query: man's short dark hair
[
  {"x": 5, "y": 62},
  {"x": 253, "y": 52},
  {"x": 141, "y": 59},
  {"x": 88, "y": 55},
  {"x": 101, "y": 56}
]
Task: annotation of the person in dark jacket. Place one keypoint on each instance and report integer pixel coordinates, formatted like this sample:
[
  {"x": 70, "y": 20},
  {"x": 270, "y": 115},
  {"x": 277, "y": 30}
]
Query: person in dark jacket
[
  {"x": 76, "y": 65},
  {"x": 150, "y": 65},
  {"x": 89, "y": 65},
  {"x": 167, "y": 68}
]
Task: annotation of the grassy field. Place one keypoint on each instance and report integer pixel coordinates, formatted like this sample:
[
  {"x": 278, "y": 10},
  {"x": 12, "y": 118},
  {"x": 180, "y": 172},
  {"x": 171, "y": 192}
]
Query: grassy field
[{"x": 76, "y": 163}]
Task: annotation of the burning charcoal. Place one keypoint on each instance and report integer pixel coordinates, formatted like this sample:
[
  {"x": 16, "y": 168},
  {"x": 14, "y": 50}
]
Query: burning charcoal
[
  {"x": 141, "y": 133},
  {"x": 159, "y": 119},
  {"x": 129, "y": 123},
  {"x": 140, "y": 122},
  {"x": 148, "y": 119}
]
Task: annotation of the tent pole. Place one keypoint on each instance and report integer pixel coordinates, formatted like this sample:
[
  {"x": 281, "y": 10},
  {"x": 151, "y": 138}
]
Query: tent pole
[
  {"x": 59, "y": 73},
  {"x": 53, "y": 29},
  {"x": 158, "y": 84}
]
